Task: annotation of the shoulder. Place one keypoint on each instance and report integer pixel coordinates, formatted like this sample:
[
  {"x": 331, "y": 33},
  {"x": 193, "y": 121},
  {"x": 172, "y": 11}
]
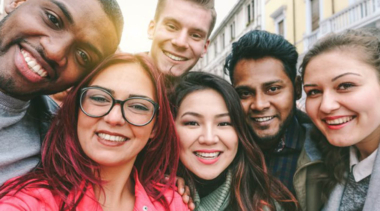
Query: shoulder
[
  {"x": 175, "y": 200},
  {"x": 31, "y": 197},
  {"x": 145, "y": 202},
  {"x": 45, "y": 104}
]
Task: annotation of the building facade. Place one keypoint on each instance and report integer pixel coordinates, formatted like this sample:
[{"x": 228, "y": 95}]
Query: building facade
[
  {"x": 246, "y": 15},
  {"x": 2, "y": 7},
  {"x": 301, "y": 22}
]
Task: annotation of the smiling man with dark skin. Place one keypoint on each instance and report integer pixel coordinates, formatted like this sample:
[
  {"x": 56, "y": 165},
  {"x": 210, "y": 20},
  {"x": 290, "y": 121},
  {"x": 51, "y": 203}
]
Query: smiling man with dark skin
[
  {"x": 46, "y": 46},
  {"x": 262, "y": 68},
  {"x": 180, "y": 34}
]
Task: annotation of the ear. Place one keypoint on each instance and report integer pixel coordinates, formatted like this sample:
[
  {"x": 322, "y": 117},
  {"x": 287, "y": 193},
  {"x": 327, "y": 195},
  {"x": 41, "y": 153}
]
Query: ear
[
  {"x": 205, "y": 48},
  {"x": 13, "y": 5},
  {"x": 151, "y": 28},
  {"x": 298, "y": 87}
]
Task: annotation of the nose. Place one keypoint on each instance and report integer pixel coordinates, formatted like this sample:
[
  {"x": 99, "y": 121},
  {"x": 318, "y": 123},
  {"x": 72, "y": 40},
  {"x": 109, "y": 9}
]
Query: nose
[
  {"x": 208, "y": 136},
  {"x": 56, "y": 48},
  {"x": 260, "y": 102},
  {"x": 329, "y": 103},
  {"x": 180, "y": 40},
  {"x": 115, "y": 116}
]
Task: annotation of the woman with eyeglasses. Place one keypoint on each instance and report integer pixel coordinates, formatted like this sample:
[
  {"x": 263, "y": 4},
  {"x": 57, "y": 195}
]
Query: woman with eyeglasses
[{"x": 109, "y": 147}]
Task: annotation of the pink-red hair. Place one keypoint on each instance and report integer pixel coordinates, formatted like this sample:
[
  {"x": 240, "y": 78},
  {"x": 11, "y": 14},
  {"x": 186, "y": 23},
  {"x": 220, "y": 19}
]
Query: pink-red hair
[{"x": 65, "y": 166}]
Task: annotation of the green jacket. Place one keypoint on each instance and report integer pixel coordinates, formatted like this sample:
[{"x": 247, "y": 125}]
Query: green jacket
[{"x": 309, "y": 168}]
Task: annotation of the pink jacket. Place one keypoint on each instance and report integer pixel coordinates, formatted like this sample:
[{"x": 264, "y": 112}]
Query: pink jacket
[{"x": 41, "y": 199}]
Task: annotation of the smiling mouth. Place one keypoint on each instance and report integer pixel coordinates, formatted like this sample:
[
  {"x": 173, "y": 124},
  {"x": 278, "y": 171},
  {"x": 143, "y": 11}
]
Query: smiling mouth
[
  {"x": 207, "y": 155},
  {"x": 263, "y": 119},
  {"x": 339, "y": 121},
  {"x": 33, "y": 64},
  {"x": 175, "y": 58},
  {"x": 113, "y": 138}
]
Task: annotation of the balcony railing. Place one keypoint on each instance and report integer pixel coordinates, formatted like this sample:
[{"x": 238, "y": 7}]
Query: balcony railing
[{"x": 354, "y": 16}]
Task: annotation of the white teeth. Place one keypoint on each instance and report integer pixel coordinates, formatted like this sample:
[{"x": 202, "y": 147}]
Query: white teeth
[
  {"x": 176, "y": 58},
  {"x": 339, "y": 121},
  {"x": 111, "y": 137},
  {"x": 263, "y": 119},
  {"x": 33, "y": 64},
  {"x": 207, "y": 155}
]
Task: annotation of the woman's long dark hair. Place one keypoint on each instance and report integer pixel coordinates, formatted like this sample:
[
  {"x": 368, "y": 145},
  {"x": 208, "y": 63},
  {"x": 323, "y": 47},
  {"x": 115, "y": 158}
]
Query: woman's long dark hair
[
  {"x": 252, "y": 188},
  {"x": 366, "y": 45},
  {"x": 64, "y": 165}
]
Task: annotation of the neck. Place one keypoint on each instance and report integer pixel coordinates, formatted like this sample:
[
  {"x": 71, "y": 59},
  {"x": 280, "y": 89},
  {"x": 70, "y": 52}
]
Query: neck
[
  {"x": 205, "y": 187},
  {"x": 118, "y": 189},
  {"x": 368, "y": 145}
]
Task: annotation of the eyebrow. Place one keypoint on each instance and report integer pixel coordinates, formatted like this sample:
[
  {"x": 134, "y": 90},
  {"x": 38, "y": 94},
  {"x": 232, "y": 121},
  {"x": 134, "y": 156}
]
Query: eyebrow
[
  {"x": 198, "y": 115},
  {"x": 113, "y": 92},
  {"x": 243, "y": 87},
  {"x": 335, "y": 78},
  {"x": 64, "y": 10},
  {"x": 108, "y": 90},
  {"x": 222, "y": 115},
  {"x": 309, "y": 85},
  {"x": 143, "y": 96},
  {"x": 191, "y": 113},
  {"x": 349, "y": 73},
  {"x": 272, "y": 82}
]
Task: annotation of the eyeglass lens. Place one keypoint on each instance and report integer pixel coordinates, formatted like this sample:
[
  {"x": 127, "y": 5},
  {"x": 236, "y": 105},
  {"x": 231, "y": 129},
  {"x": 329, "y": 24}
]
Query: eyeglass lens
[{"x": 97, "y": 103}]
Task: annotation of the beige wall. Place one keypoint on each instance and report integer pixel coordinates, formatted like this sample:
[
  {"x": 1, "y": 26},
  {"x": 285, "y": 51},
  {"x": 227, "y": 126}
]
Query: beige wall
[
  {"x": 296, "y": 23},
  {"x": 2, "y": 9}
]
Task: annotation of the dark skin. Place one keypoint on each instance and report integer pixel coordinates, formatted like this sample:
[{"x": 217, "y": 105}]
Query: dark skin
[{"x": 47, "y": 46}]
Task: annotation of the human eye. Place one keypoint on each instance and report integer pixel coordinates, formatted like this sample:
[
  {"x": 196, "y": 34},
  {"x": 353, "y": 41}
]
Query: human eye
[
  {"x": 312, "y": 92},
  {"x": 99, "y": 99},
  {"x": 273, "y": 89},
  {"x": 345, "y": 86},
  {"x": 54, "y": 19},
  {"x": 224, "y": 124},
  {"x": 191, "y": 123},
  {"x": 171, "y": 27},
  {"x": 139, "y": 107},
  {"x": 83, "y": 58},
  {"x": 243, "y": 94},
  {"x": 196, "y": 36}
]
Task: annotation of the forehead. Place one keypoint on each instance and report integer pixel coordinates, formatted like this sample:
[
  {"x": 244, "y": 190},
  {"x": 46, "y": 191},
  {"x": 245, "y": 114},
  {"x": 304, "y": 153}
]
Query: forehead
[
  {"x": 259, "y": 71},
  {"x": 206, "y": 101},
  {"x": 89, "y": 23},
  {"x": 125, "y": 79},
  {"x": 187, "y": 13},
  {"x": 330, "y": 65}
]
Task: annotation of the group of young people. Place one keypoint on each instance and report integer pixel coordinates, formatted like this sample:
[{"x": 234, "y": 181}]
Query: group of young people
[{"x": 133, "y": 124}]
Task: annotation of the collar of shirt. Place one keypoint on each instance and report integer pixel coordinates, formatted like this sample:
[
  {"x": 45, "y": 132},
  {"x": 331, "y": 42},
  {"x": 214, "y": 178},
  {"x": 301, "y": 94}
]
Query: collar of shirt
[
  {"x": 291, "y": 137},
  {"x": 361, "y": 169}
]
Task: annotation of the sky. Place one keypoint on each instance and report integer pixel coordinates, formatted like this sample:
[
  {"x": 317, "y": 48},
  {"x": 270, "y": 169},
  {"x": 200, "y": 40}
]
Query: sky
[{"x": 137, "y": 15}]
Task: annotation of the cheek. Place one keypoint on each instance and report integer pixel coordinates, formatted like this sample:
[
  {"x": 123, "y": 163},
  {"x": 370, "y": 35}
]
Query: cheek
[
  {"x": 232, "y": 139},
  {"x": 310, "y": 107},
  {"x": 245, "y": 104},
  {"x": 198, "y": 48},
  {"x": 85, "y": 128}
]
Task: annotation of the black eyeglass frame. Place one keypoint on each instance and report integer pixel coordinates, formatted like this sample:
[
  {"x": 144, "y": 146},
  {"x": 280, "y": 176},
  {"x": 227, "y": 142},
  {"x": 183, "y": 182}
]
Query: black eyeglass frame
[{"x": 121, "y": 102}]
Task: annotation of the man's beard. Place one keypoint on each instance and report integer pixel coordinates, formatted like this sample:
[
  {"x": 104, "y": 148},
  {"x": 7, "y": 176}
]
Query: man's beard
[{"x": 271, "y": 141}]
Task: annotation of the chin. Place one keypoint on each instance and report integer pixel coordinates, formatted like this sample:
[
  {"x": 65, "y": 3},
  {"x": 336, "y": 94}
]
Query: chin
[
  {"x": 207, "y": 177},
  {"x": 340, "y": 142}
]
